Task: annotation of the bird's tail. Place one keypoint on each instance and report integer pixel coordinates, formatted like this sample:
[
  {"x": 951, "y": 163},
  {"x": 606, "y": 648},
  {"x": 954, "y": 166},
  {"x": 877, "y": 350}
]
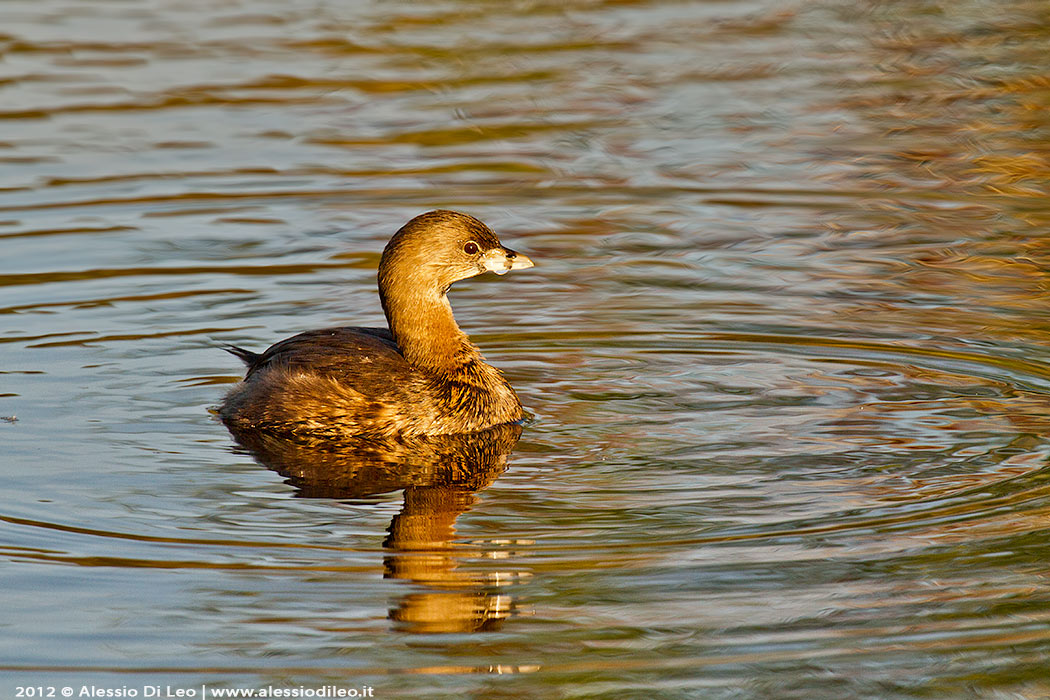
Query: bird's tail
[{"x": 247, "y": 356}]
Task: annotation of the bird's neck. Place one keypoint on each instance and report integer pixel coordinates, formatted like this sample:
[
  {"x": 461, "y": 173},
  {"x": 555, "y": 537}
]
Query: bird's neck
[{"x": 427, "y": 334}]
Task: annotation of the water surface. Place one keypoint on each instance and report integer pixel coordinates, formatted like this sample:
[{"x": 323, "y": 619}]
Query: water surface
[{"x": 785, "y": 345}]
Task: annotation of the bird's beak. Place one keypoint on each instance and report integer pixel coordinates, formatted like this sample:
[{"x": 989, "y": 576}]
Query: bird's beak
[{"x": 503, "y": 260}]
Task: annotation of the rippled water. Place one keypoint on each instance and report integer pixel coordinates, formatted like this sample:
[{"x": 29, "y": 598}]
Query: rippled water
[{"x": 785, "y": 344}]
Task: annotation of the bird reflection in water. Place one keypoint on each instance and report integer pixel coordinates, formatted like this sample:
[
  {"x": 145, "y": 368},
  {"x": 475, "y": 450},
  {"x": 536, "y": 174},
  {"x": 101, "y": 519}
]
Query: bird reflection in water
[{"x": 440, "y": 477}]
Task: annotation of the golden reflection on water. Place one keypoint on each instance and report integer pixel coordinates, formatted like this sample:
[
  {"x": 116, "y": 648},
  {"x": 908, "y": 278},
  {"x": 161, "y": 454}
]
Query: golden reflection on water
[{"x": 440, "y": 478}]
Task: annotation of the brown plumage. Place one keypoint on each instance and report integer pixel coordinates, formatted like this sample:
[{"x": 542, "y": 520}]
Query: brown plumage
[{"x": 421, "y": 377}]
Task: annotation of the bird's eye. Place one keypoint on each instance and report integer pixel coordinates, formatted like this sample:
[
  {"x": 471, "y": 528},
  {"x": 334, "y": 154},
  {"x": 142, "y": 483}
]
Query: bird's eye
[{"x": 470, "y": 248}]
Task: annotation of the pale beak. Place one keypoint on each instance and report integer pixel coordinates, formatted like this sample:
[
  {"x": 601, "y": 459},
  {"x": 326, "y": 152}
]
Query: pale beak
[{"x": 503, "y": 260}]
